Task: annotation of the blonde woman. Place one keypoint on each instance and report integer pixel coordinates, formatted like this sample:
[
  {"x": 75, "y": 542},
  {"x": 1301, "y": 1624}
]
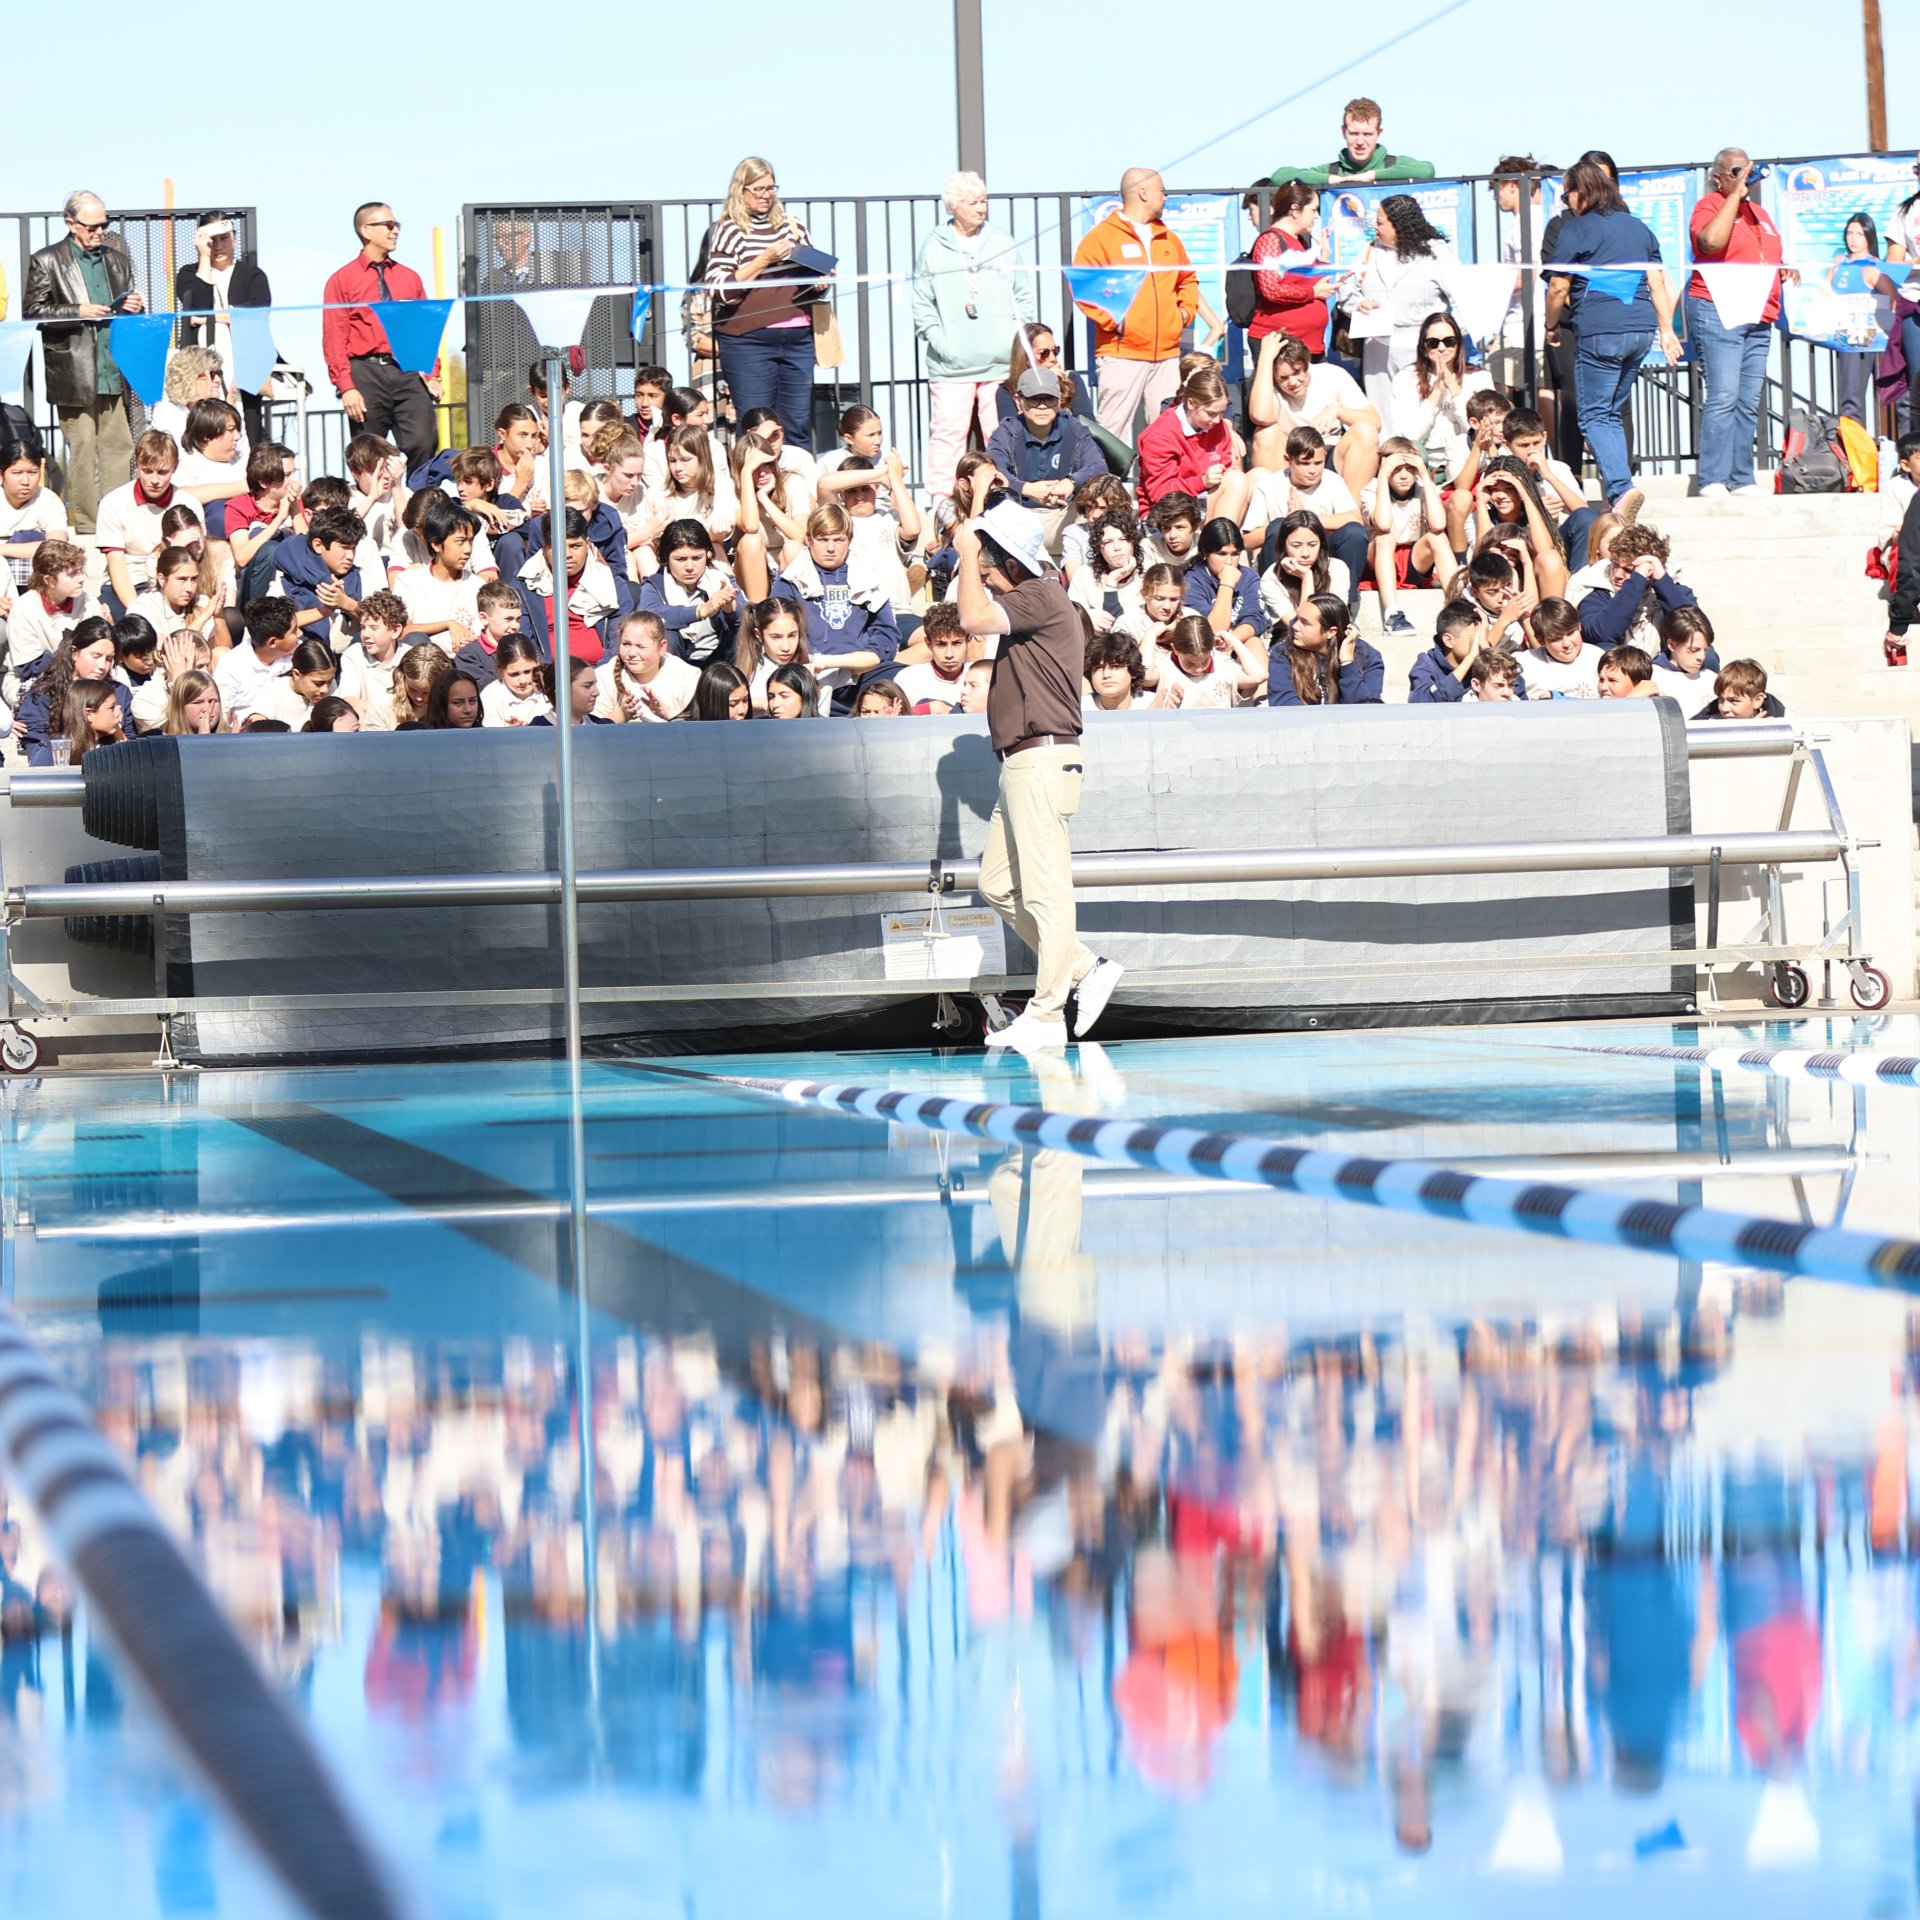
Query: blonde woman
[{"x": 762, "y": 319}]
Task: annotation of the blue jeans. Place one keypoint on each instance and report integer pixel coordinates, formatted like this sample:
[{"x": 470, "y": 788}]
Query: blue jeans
[
  {"x": 1605, "y": 366},
  {"x": 773, "y": 367},
  {"x": 1734, "y": 361},
  {"x": 1575, "y": 530}
]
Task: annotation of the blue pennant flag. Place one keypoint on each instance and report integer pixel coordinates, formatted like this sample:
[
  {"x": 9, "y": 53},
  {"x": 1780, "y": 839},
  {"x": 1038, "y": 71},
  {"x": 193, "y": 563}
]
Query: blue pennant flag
[
  {"x": 1617, "y": 283},
  {"x": 1106, "y": 290},
  {"x": 413, "y": 329},
  {"x": 16, "y": 349},
  {"x": 642, "y": 305},
  {"x": 138, "y": 343},
  {"x": 253, "y": 350}
]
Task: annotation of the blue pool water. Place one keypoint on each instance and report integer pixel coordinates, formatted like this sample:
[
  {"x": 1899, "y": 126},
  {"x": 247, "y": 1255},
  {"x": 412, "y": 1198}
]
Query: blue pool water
[{"x": 982, "y": 1532}]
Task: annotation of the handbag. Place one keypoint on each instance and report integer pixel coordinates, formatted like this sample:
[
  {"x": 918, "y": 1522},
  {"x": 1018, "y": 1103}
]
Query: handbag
[{"x": 829, "y": 350}]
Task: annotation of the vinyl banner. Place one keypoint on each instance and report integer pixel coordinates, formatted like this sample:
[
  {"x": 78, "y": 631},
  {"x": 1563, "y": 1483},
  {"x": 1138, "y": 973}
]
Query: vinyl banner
[
  {"x": 1207, "y": 225},
  {"x": 1347, "y": 215}
]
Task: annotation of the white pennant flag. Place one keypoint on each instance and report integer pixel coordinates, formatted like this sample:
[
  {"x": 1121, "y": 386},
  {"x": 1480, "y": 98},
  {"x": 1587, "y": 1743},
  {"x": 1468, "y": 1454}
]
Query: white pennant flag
[
  {"x": 1481, "y": 297},
  {"x": 558, "y": 316},
  {"x": 1785, "y": 1833},
  {"x": 1740, "y": 292},
  {"x": 1528, "y": 1841}
]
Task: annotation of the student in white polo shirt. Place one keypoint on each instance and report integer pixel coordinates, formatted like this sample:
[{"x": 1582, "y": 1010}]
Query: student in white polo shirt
[
  {"x": 128, "y": 525},
  {"x": 273, "y": 633}
]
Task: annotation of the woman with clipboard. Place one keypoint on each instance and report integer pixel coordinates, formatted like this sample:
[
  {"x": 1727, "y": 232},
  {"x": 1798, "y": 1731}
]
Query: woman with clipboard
[{"x": 767, "y": 279}]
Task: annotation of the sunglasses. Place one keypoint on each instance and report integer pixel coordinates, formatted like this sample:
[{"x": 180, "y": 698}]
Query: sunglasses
[
  {"x": 1443, "y": 339},
  {"x": 89, "y": 226},
  {"x": 1041, "y": 354}
]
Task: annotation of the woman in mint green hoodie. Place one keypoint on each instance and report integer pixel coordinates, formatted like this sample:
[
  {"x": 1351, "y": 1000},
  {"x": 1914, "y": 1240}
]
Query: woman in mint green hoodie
[{"x": 971, "y": 294}]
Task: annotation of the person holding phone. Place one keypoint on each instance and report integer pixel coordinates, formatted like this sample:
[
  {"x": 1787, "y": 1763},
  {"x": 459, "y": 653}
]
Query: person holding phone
[{"x": 80, "y": 283}]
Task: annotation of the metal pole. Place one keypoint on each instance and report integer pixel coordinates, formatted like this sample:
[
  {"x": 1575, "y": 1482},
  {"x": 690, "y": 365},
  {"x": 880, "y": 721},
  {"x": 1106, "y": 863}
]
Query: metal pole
[
  {"x": 970, "y": 87},
  {"x": 570, "y": 965}
]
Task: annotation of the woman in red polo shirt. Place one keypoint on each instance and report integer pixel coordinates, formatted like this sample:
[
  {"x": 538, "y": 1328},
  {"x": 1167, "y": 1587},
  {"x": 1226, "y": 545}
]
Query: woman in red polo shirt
[{"x": 1287, "y": 301}]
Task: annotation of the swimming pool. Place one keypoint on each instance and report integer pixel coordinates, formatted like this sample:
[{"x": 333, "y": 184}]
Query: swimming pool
[{"x": 983, "y": 1530}]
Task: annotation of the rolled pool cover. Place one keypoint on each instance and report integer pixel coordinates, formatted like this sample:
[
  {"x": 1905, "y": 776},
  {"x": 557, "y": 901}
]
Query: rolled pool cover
[{"x": 802, "y": 971}]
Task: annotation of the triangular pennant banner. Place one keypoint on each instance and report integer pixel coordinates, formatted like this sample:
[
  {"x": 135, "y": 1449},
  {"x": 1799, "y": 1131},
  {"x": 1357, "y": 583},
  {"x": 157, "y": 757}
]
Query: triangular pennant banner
[
  {"x": 253, "y": 350},
  {"x": 1785, "y": 1833},
  {"x": 1106, "y": 290},
  {"x": 16, "y": 349},
  {"x": 559, "y": 317},
  {"x": 413, "y": 329},
  {"x": 1528, "y": 1841},
  {"x": 138, "y": 343},
  {"x": 1617, "y": 283},
  {"x": 1739, "y": 292},
  {"x": 1481, "y": 297},
  {"x": 642, "y": 304}
]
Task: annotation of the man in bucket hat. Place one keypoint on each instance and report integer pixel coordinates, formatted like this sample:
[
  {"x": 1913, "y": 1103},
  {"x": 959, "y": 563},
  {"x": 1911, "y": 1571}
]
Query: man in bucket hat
[{"x": 1007, "y": 591}]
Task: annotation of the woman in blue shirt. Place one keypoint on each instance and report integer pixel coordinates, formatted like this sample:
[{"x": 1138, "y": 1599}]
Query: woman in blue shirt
[{"x": 1614, "y": 307}]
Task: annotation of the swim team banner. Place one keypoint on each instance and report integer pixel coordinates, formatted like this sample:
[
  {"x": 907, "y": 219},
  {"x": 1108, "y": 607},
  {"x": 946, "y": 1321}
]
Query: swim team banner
[
  {"x": 1346, "y": 213},
  {"x": 1663, "y": 198},
  {"x": 1811, "y": 204},
  {"x": 1206, "y": 224}
]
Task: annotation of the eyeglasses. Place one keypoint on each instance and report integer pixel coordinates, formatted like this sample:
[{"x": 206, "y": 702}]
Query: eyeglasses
[
  {"x": 764, "y": 186},
  {"x": 88, "y": 226}
]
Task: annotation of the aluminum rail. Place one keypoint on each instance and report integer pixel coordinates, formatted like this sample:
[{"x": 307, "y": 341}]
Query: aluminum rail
[{"x": 1189, "y": 868}]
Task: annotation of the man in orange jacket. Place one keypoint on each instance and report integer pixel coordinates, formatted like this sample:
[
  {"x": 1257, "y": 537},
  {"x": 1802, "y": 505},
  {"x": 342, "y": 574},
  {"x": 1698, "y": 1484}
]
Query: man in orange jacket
[{"x": 1140, "y": 359}]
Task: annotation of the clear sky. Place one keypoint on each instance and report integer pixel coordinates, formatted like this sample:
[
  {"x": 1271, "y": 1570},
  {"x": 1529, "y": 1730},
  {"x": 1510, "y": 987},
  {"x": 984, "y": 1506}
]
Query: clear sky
[{"x": 430, "y": 107}]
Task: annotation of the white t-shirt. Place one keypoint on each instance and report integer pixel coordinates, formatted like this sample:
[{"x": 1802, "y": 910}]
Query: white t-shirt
[
  {"x": 1277, "y": 601},
  {"x": 42, "y": 513},
  {"x": 368, "y": 686},
  {"x": 241, "y": 677},
  {"x": 673, "y": 686},
  {"x": 877, "y": 540},
  {"x": 152, "y": 607},
  {"x": 129, "y": 523},
  {"x": 1272, "y": 497},
  {"x": 1675, "y": 685},
  {"x": 1327, "y": 386},
  {"x": 500, "y": 708},
  {"x": 276, "y": 700},
  {"x": 757, "y": 688},
  {"x": 1578, "y": 678},
  {"x": 921, "y": 681},
  {"x": 1215, "y": 688},
  {"x": 149, "y": 703},
  {"x": 428, "y": 598},
  {"x": 34, "y": 629},
  {"x": 196, "y": 470}
]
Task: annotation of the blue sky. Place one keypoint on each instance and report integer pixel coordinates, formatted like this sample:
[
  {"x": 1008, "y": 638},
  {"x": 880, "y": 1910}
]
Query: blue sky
[{"x": 431, "y": 107}]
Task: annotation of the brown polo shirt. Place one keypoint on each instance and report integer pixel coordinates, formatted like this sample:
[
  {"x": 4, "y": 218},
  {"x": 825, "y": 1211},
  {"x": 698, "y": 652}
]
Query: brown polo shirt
[{"x": 1038, "y": 669}]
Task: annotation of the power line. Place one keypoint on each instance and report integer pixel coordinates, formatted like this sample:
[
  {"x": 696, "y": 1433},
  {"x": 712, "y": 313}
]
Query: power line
[{"x": 1314, "y": 86}]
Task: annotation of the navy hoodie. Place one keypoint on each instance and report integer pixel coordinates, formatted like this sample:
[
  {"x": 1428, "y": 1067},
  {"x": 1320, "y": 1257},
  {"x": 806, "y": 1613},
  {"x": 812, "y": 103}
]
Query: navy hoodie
[{"x": 303, "y": 572}]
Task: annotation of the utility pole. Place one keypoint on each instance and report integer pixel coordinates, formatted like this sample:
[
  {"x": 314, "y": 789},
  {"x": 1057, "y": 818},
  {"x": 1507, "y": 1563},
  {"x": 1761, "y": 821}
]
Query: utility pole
[
  {"x": 970, "y": 90},
  {"x": 1876, "y": 78}
]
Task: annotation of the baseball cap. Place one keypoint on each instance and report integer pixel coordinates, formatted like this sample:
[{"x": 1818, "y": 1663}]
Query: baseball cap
[
  {"x": 1036, "y": 382},
  {"x": 1018, "y": 532}
]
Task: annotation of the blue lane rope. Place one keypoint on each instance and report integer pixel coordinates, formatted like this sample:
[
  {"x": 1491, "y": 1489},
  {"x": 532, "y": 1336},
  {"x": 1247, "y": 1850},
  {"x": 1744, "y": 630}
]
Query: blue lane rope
[
  {"x": 1605, "y": 1219},
  {"x": 1783, "y": 1063}
]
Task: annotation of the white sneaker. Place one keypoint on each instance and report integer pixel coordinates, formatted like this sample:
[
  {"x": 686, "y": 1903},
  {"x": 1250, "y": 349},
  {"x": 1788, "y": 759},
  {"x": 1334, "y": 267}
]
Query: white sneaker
[
  {"x": 1752, "y": 486},
  {"x": 1090, "y": 997},
  {"x": 1713, "y": 490},
  {"x": 1028, "y": 1034}
]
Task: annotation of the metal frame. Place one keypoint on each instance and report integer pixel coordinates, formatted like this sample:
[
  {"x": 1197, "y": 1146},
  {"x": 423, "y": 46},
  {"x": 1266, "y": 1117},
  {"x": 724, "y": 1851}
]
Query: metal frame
[{"x": 1767, "y": 946}]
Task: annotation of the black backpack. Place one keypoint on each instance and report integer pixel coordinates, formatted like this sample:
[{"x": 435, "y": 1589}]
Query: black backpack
[
  {"x": 1242, "y": 294},
  {"x": 16, "y": 423},
  {"x": 1814, "y": 460}
]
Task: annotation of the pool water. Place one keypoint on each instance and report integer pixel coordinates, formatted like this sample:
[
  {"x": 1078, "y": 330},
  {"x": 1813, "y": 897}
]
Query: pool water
[{"x": 982, "y": 1531}]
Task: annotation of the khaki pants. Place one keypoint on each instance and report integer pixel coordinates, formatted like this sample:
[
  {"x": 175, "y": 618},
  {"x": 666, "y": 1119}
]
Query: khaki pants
[
  {"x": 99, "y": 455},
  {"x": 1126, "y": 387},
  {"x": 1026, "y": 868}
]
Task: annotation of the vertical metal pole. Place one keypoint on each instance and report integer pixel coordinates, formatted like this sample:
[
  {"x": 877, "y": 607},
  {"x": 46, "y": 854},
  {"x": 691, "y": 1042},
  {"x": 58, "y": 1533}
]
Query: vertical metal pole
[
  {"x": 1530, "y": 347},
  {"x": 570, "y": 963},
  {"x": 970, "y": 87}
]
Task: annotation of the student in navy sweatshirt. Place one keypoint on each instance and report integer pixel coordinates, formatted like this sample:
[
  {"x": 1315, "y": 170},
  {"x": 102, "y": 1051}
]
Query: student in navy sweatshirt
[
  {"x": 851, "y": 633},
  {"x": 1641, "y": 595},
  {"x": 320, "y": 577},
  {"x": 1440, "y": 674}
]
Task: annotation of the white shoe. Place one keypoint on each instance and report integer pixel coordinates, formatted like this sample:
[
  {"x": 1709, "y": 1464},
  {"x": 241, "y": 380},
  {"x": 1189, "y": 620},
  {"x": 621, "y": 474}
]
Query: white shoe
[
  {"x": 1027, "y": 1034},
  {"x": 1752, "y": 486},
  {"x": 1713, "y": 490},
  {"x": 1090, "y": 997}
]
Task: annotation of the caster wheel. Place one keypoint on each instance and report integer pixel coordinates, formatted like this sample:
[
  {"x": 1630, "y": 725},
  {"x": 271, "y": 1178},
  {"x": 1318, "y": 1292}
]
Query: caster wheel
[
  {"x": 1788, "y": 986},
  {"x": 19, "y": 1050},
  {"x": 1871, "y": 989}
]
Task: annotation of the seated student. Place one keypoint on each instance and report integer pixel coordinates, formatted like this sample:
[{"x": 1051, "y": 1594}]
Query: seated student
[
  {"x": 320, "y": 575},
  {"x": 1499, "y": 579},
  {"x": 136, "y": 657},
  {"x": 851, "y": 631},
  {"x": 572, "y": 412},
  {"x": 1634, "y": 593},
  {"x": 690, "y": 489},
  {"x": 1406, "y": 523},
  {"x": 879, "y": 700},
  {"x": 1189, "y": 449},
  {"x": 605, "y": 533},
  {"x": 1494, "y": 676},
  {"x": 216, "y": 604},
  {"x": 1740, "y": 693},
  {"x": 1046, "y": 454},
  {"x": 975, "y": 682},
  {"x": 331, "y": 715},
  {"x": 1559, "y": 486},
  {"x": 696, "y": 599},
  {"x": 1487, "y": 413},
  {"x": 473, "y": 479},
  {"x": 95, "y": 718},
  {"x": 794, "y": 694},
  {"x": 377, "y": 470},
  {"x": 512, "y": 697},
  {"x": 1686, "y": 655},
  {"x": 771, "y": 508},
  {"x": 453, "y": 703},
  {"x": 593, "y": 598},
  {"x": 1626, "y": 673},
  {"x": 260, "y": 723},
  {"x": 1290, "y": 391},
  {"x": 721, "y": 695},
  {"x": 1301, "y": 567},
  {"x": 1439, "y": 675},
  {"x": 273, "y": 633},
  {"x": 1197, "y": 667},
  {"x": 291, "y": 696},
  {"x": 1221, "y": 587},
  {"x": 518, "y": 439},
  {"x": 497, "y": 607},
  {"x": 1100, "y": 495},
  {"x": 85, "y": 656},
  {"x": 1319, "y": 660},
  {"x": 29, "y": 514},
  {"x": 1429, "y": 397},
  {"x": 682, "y": 407},
  {"x": 440, "y": 595},
  {"x": 1560, "y": 665},
  {"x": 620, "y": 462},
  {"x": 172, "y": 604},
  {"x": 53, "y": 602},
  {"x": 1305, "y": 486},
  {"x": 1507, "y": 498},
  {"x": 329, "y": 494},
  {"x": 763, "y": 424},
  {"x": 1116, "y": 676},
  {"x": 366, "y": 667},
  {"x": 932, "y": 685},
  {"x": 193, "y": 705},
  {"x": 1107, "y": 589},
  {"x": 583, "y": 689},
  {"x": 651, "y": 385},
  {"x": 213, "y": 461},
  {"x": 772, "y": 634},
  {"x": 644, "y": 681},
  {"x": 127, "y": 527},
  {"x": 415, "y": 675},
  {"x": 1163, "y": 592},
  {"x": 862, "y": 431},
  {"x": 886, "y": 539},
  {"x": 257, "y": 519}
]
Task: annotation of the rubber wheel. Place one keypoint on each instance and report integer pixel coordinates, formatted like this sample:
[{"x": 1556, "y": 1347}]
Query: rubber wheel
[
  {"x": 1788, "y": 986},
  {"x": 1875, "y": 994},
  {"x": 19, "y": 1050}
]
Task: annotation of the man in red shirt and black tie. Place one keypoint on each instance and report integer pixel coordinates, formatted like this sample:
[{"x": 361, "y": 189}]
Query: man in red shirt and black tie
[{"x": 379, "y": 395}]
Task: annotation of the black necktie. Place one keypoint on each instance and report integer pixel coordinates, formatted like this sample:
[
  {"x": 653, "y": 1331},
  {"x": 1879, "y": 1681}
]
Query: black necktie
[{"x": 380, "y": 274}]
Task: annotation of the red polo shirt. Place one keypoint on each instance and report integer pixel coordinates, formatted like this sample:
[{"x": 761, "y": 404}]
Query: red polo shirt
[{"x": 1754, "y": 241}]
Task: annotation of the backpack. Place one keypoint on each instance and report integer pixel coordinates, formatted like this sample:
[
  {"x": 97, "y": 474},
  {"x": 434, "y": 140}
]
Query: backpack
[
  {"x": 16, "y": 423},
  {"x": 1813, "y": 459},
  {"x": 1243, "y": 296},
  {"x": 1862, "y": 455}
]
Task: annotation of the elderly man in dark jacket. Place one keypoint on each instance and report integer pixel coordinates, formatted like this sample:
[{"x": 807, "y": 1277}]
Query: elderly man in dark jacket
[{"x": 85, "y": 279}]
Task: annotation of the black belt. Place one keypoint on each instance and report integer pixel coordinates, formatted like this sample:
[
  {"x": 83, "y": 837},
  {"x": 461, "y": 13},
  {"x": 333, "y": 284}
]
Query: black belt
[
  {"x": 385, "y": 359},
  {"x": 1040, "y": 740}
]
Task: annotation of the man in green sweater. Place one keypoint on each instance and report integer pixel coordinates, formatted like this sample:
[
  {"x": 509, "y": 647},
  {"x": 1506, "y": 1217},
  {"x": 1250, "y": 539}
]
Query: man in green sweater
[{"x": 1363, "y": 160}]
